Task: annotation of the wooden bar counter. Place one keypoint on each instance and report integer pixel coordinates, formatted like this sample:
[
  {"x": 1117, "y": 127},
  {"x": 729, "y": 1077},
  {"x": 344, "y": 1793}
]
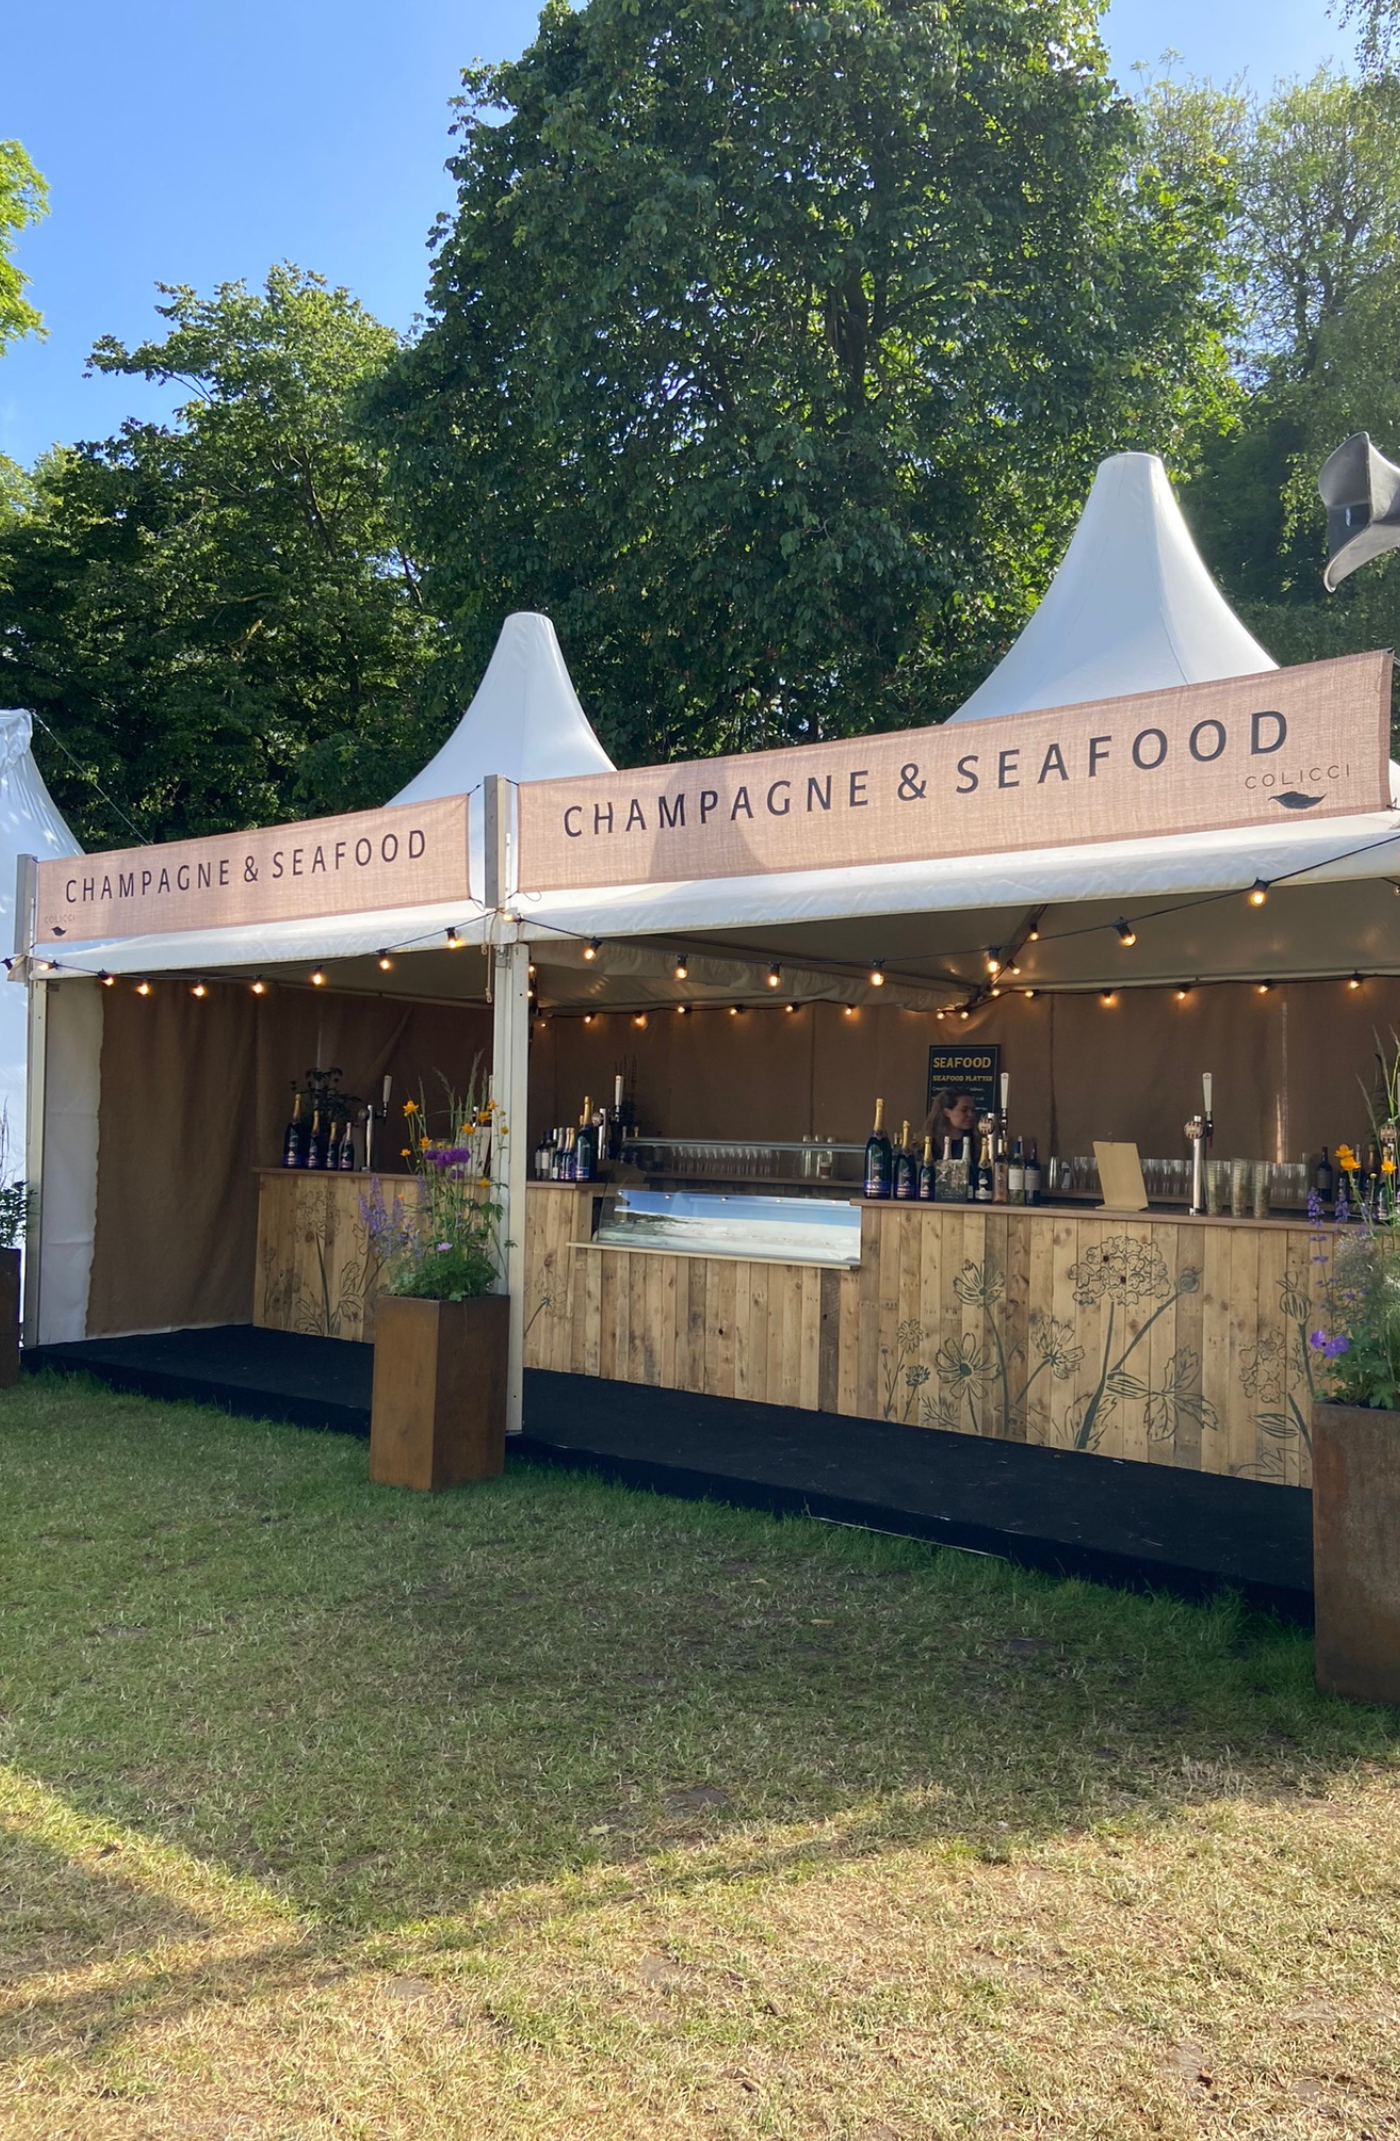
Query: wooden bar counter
[{"x": 1160, "y": 1338}]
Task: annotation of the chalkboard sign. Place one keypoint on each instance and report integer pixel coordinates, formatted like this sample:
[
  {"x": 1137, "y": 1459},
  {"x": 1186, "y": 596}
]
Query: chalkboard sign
[{"x": 972, "y": 1069}]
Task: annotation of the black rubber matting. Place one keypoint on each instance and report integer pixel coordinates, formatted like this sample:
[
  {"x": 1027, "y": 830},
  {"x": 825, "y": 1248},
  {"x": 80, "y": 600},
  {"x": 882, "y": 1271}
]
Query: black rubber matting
[{"x": 1147, "y": 1526}]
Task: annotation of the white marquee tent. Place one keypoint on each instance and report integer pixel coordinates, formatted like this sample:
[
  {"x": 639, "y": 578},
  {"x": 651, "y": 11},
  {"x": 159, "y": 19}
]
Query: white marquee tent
[{"x": 30, "y": 824}]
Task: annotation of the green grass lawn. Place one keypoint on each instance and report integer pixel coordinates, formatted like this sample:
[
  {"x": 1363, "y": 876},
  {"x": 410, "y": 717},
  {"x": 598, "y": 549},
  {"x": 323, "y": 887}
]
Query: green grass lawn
[{"x": 544, "y": 1809}]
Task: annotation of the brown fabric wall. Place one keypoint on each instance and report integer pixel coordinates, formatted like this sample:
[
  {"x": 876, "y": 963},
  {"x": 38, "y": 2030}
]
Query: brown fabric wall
[
  {"x": 1289, "y": 1067},
  {"x": 195, "y": 1096}
]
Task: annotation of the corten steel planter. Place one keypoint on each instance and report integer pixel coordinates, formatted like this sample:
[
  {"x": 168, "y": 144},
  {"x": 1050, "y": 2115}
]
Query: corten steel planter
[
  {"x": 438, "y": 1413},
  {"x": 1356, "y": 1551},
  {"x": 9, "y": 1318}
]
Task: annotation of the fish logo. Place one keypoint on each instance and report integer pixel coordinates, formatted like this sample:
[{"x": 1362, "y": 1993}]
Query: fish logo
[{"x": 1294, "y": 799}]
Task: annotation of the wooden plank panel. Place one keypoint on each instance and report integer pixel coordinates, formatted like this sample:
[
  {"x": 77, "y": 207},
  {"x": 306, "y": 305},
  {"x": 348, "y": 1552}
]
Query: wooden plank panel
[
  {"x": 1183, "y": 1445},
  {"x": 1243, "y": 1334},
  {"x": 725, "y": 1382},
  {"x": 867, "y": 1402},
  {"x": 1215, "y": 1345},
  {"x": 588, "y": 1341},
  {"x": 809, "y": 1338},
  {"x": 851, "y": 1314},
  {"x": 828, "y": 1397},
  {"x": 1040, "y": 1308}
]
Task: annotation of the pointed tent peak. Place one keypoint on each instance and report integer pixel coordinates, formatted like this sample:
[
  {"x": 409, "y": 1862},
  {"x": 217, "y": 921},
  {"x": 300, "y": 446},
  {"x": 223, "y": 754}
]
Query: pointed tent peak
[
  {"x": 1132, "y": 607},
  {"x": 525, "y": 720},
  {"x": 31, "y": 823}
]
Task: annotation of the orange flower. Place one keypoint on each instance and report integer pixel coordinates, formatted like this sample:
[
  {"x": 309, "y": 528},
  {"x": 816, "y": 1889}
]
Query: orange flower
[{"x": 410, "y": 1107}]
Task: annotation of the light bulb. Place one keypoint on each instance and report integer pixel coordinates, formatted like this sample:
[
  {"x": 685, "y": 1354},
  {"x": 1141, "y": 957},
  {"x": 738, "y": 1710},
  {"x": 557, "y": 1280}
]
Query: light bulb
[
  {"x": 143, "y": 988},
  {"x": 592, "y": 948},
  {"x": 108, "y": 981},
  {"x": 994, "y": 960},
  {"x": 681, "y": 968},
  {"x": 258, "y": 987},
  {"x": 200, "y": 989},
  {"x": 877, "y": 973},
  {"x": 1355, "y": 982},
  {"x": 1106, "y": 996},
  {"x": 1126, "y": 932},
  {"x": 385, "y": 962},
  {"x": 775, "y": 975},
  {"x": 1258, "y": 892},
  {"x": 1183, "y": 992},
  {"x": 318, "y": 979},
  {"x": 453, "y": 940}
]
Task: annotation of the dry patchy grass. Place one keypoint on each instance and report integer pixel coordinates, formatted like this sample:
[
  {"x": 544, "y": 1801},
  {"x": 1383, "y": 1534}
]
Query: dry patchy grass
[{"x": 545, "y": 1810}]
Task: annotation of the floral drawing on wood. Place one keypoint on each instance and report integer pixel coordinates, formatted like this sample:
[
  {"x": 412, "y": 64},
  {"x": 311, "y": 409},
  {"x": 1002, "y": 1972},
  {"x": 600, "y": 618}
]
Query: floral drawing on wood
[{"x": 986, "y": 1385}]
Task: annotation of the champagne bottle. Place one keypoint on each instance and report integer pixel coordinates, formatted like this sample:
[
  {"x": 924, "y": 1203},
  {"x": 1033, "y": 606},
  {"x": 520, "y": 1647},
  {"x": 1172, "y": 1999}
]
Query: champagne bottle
[
  {"x": 1033, "y": 1176},
  {"x": 345, "y": 1154},
  {"x": 1001, "y": 1165},
  {"x": 878, "y": 1157},
  {"x": 330, "y": 1151},
  {"x": 1016, "y": 1175},
  {"x": 568, "y": 1161},
  {"x": 294, "y": 1138},
  {"x": 906, "y": 1168},
  {"x": 1324, "y": 1182},
  {"x": 316, "y": 1149},
  {"x": 928, "y": 1174},
  {"x": 586, "y": 1145},
  {"x": 986, "y": 1170}
]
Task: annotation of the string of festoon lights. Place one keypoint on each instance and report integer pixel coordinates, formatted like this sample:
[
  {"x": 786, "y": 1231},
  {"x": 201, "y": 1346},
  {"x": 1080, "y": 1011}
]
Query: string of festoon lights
[{"x": 1003, "y": 975}]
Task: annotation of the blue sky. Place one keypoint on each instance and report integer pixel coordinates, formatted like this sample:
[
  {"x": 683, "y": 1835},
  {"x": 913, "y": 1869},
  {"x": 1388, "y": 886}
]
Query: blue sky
[{"x": 185, "y": 141}]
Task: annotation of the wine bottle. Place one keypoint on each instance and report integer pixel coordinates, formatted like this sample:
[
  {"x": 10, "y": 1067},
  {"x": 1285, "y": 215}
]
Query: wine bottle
[
  {"x": 906, "y": 1168},
  {"x": 878, "y": 1157},
  {"x": 294, "y": 1138},
  {"x": 586, "y": 1145},
  {"x": 986, "y": 1170},
  {"x": 1016, "y": 1175},
  {"x": 1324, "y": 1181},
  {"x": 1033, "y": 1176},
  {"x": 928, "y": 1174},
  {"x": 969, "y": 1161}
]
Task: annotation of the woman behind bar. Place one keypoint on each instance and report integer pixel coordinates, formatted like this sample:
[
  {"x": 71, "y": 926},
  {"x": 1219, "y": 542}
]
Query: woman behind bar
[{"x": 953, "y": 1115}]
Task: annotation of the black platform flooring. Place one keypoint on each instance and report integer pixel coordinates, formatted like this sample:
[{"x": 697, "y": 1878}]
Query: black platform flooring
[{"x": 1147, "y": 1526}]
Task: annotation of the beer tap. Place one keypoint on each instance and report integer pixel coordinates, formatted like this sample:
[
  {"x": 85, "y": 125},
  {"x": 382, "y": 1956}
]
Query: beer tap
[{"x": 1199, "y": 1131}]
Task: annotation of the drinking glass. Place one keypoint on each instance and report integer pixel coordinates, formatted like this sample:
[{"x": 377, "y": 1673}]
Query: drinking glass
[
  {"x": 1217, "y": 1185},
  {"x": 1241, "y": 1188},
  {"x": 1262, "y": 1172}
]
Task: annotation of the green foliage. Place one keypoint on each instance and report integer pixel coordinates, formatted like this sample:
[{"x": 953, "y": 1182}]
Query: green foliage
[
  {"x": 1312, "y": 268},
  {"x": 774, "y": 346},
  {"x": 24, "y": 198},
  {"x": 217, "y": 616}
]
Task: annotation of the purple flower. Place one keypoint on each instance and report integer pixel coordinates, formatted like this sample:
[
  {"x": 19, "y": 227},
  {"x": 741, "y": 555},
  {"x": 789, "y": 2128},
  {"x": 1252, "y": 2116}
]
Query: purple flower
[
  {"x": 1334, "y": 1346},
  {"x": 1317, "y": 1340},
  {"x": 443, "y": 1248},
  {"x": 1314, "y": 1208}
]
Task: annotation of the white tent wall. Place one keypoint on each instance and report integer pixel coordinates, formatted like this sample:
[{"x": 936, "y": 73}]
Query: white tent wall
[
  {"x": 64, "y": 1107},
  {"x": 30, "y": 824}
]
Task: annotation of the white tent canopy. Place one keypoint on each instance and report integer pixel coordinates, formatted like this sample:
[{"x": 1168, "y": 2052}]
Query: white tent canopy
[
  {"x": 525, "y": 721},
  {"x": 1132, "y": 607}
]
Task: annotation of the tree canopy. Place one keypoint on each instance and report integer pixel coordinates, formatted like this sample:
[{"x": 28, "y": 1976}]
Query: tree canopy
[
  {"x": 216, "y": 617},
  {"x": 772, "y": 347},
  {"x": 23, "y": 199}
]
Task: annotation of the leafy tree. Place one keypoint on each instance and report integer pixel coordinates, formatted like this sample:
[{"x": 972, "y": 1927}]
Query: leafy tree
[
  {"x": 1316, "y": 268},
  {"x": 774, "y": 343},
  {"x": 216, "y": 617},
  {"x": 23, "y": 199}
]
